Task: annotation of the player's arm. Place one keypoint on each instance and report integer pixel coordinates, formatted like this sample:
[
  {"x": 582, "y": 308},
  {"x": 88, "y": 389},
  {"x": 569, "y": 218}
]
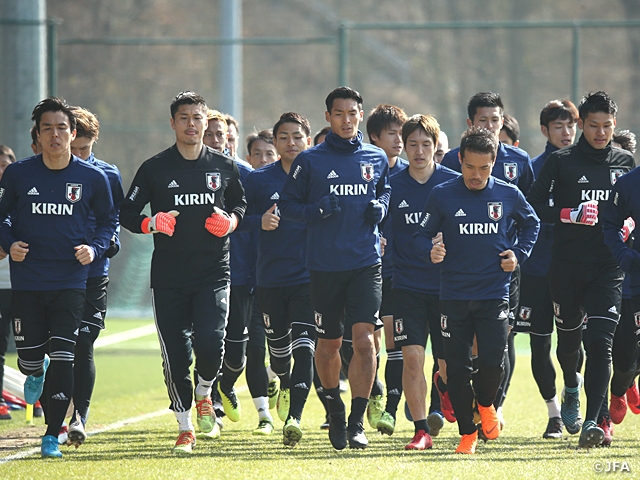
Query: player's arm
[
  {"x": 526, "y": 177},
  {"x": 528, "y": 225},
  {"x": 542, "y": 189},
  {"x": 8, "y": 200},
  {"x": 293, "y": 201},
  {"x": 101, "y": 203},
  {"x": 252, "y": 218},
  {"x": 223, "y": 222},
  {"x": 377, "y": 209},
  {"x": 614, "y": 216},
  {"x": 427, "y": 230},
  {"x": 117, "y": 193}
]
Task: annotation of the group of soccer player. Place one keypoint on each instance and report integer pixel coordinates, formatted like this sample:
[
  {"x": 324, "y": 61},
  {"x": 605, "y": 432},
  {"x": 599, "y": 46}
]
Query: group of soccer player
[{"x": 318, "y": 250}]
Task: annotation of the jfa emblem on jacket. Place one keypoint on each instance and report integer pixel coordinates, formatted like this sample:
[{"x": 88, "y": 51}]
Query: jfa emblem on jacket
[
  {"x": 511, "y": 171},
  {"x": 399, "y": 325},
  {"x": 525, "y": 313},
  {"x": 74, "y": 192},
  {"x": 614, "y": 173},
  {"x": 495, "y": 210},
  {"x": 213, "y": 181},
  {"x": 367, "y": 171}
]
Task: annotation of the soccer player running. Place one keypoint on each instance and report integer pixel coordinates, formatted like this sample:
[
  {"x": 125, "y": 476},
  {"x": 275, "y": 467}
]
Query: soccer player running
[
  {"x": 558, "y": 123},
  {"x": 95, "y": 309},
  {"x": 340, "y": 188},
  {"x": 584, "y": 278},
  {"x": 384, "y": 128},
  {"x": 51, "y": 198},
  {"x": 477, "y": 215},
  {"x": 416, "y": 282},
  {"x": 190, "y": 263},
  {"x": 282, "y": 277}
]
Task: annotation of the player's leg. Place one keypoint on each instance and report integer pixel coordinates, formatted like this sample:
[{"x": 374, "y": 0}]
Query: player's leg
[
  {"x": 440, "y": 407},
  {"x": 234, "y": 361},
  {"x": 327, "y": 292},
  {"x": 363, "y": 297},
  {"x": 174, "y": 323}
]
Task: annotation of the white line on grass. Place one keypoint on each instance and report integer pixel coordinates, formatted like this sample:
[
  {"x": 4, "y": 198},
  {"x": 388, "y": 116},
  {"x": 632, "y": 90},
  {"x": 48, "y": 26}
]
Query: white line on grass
[{"x": 124, "y": 336}]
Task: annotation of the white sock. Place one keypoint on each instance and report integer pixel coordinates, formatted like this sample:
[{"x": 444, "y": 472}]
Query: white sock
[
  {"x": 553, "y": 406},
  {"x": 262, "y": 406},
  {"x": 204, "y": 387},
  {"x": 270, "y": 373},
  {"x": 184, "y": 421}
]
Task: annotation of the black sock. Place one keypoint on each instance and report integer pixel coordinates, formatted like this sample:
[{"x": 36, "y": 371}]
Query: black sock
[
  {"x": 421, "y": 425},
  {"x": 336, "y": 405},
  {"x": 393, "y": 378},
  {"x": 358, "y": 407},
  {"x": 441, "y": 385},
  {"x": 377, "y": 388},
  {"x": 60, "y": 376}
]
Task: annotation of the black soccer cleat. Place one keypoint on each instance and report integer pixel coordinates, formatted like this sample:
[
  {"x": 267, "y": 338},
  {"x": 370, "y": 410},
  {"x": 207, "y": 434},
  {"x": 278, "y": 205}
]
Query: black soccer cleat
[
  {"x": 554, "y": 428},
  {"x": 338, "y": 431},
  {"x": 356, "y": 436}
]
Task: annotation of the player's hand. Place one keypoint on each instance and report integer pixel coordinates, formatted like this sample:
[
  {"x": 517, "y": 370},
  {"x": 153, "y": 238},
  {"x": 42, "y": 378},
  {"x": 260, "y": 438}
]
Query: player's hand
[
  {"x": 374, "y": 213},
  {"x": 628, "y": 226},
  {"x": 438, "y": 252},
  {"x": 509, "y": 261},
  {"x": 161, "y": 222},
  {"x": 437, "y": 238},
  {"x": 84, "y": 254},
  {"x": 383, "y": 244},
  {"x": 585, "y": 214},
  {"x": 328, "y": 205},
  {"x": 270, "y": 220},
  {"x": 18, "y": 251},
  {"x": 220, "y": 223},
  {"x": 3, "y": 254}
]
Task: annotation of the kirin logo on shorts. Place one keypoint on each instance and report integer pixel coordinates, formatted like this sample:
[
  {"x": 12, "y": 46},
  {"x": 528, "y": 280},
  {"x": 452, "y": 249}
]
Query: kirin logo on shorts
[
  {"x": 511, "y": 171},
  {"x": 213, "y": 181},
  {"x": 367, "y": 171},
  {"x": 74, "y": 192},
  {"x": 17, "y": 326},
  {"x": 443, "y": 322},
  {"x": 318, "y": 318},
  {"x": 399, "y": 325},
  {"x": 267, "y": 320},
  {"x": 614, "y": 174},
  {"x": 525, "y": 313},
  {"x": 494, "y": 210},
  {"x": 636, "y": 317},
  {"x": 556, "y": 309}
]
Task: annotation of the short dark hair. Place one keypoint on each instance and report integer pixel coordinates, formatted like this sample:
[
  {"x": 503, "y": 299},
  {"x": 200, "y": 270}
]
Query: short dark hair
[
  {"x": 53, "y": 104},
  {"x": 483, "y": 99},
  {"x": 292, "y": 117},
  {"x": 558, "y": 110},
  {"x": 428, "y": 123},
  {"x": 478, "y": 140},
  {"x": 187, "y": 98},
  {"x": 382, "y": 117},
  {"x": 626, "y": 139},
  {"x": 594, "y": 102},
  {"x": 231, "y": 121},
  {"x": 264, "y": 135},
  {"x": 322, "y": 131},
  {"x": 4, "y": 150},
  {"x": 34, "y": 135},
  {"x": 343, "y": 92},
  {"x": 511, "y": 127},
  {"x": 87, "y": 124}
]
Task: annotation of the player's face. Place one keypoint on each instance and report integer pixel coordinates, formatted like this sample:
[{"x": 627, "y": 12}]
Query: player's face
[
  {"x": 390, "y": 140},
  {"x": 5, "y": 161},
  {"x": 442, "y": 148},
  {"x": 215, "y": 136},
  {"x": 560, "y": 133},
  {"x": 232, "y": 140},
  {"x": 290, "y": 141},
  {"x": 262, "y": 153},
  {"x": 55, "y": 133},
  {"x": 81, "y": 147},
  {"x": 420, "y": 149},
  {"x": 476, "y": 169},
  {"x": 489, "y": 118},
  {"x": 598, "y": 128},
  {"x": 504, "y": 138},
  {"x": 189, "y": 124},
  {"x": 344, "y": 117}
]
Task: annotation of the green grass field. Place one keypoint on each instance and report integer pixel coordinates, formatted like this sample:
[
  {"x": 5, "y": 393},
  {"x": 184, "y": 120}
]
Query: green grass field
[{"x": 130, "y": 384}]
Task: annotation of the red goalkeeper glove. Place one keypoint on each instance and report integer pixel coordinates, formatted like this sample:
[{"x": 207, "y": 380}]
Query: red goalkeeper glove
[
  {"x": 627, "y": 227},
  {"x": 220, "y": 223},
  {"x": 161, "y": 222},
  {"x": 585, "y": 214}
]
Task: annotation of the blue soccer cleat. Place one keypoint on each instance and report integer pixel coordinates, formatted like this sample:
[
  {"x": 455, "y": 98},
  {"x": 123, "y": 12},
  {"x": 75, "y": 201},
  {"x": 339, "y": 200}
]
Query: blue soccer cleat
[
  {"x": 49, "y": 448},
  {"x": 570, "y": 408},
  {"x": 33, "y": 385}
]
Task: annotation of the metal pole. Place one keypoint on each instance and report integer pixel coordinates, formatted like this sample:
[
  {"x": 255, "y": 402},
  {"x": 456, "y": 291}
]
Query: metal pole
[
  {"x": 575, "y": 74},
  {"x": 230, "y": 65},
  {"x": 52, "y": 56},
  {"x": 23, "y": 82},
  {"x": 343, "y": 45}
]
